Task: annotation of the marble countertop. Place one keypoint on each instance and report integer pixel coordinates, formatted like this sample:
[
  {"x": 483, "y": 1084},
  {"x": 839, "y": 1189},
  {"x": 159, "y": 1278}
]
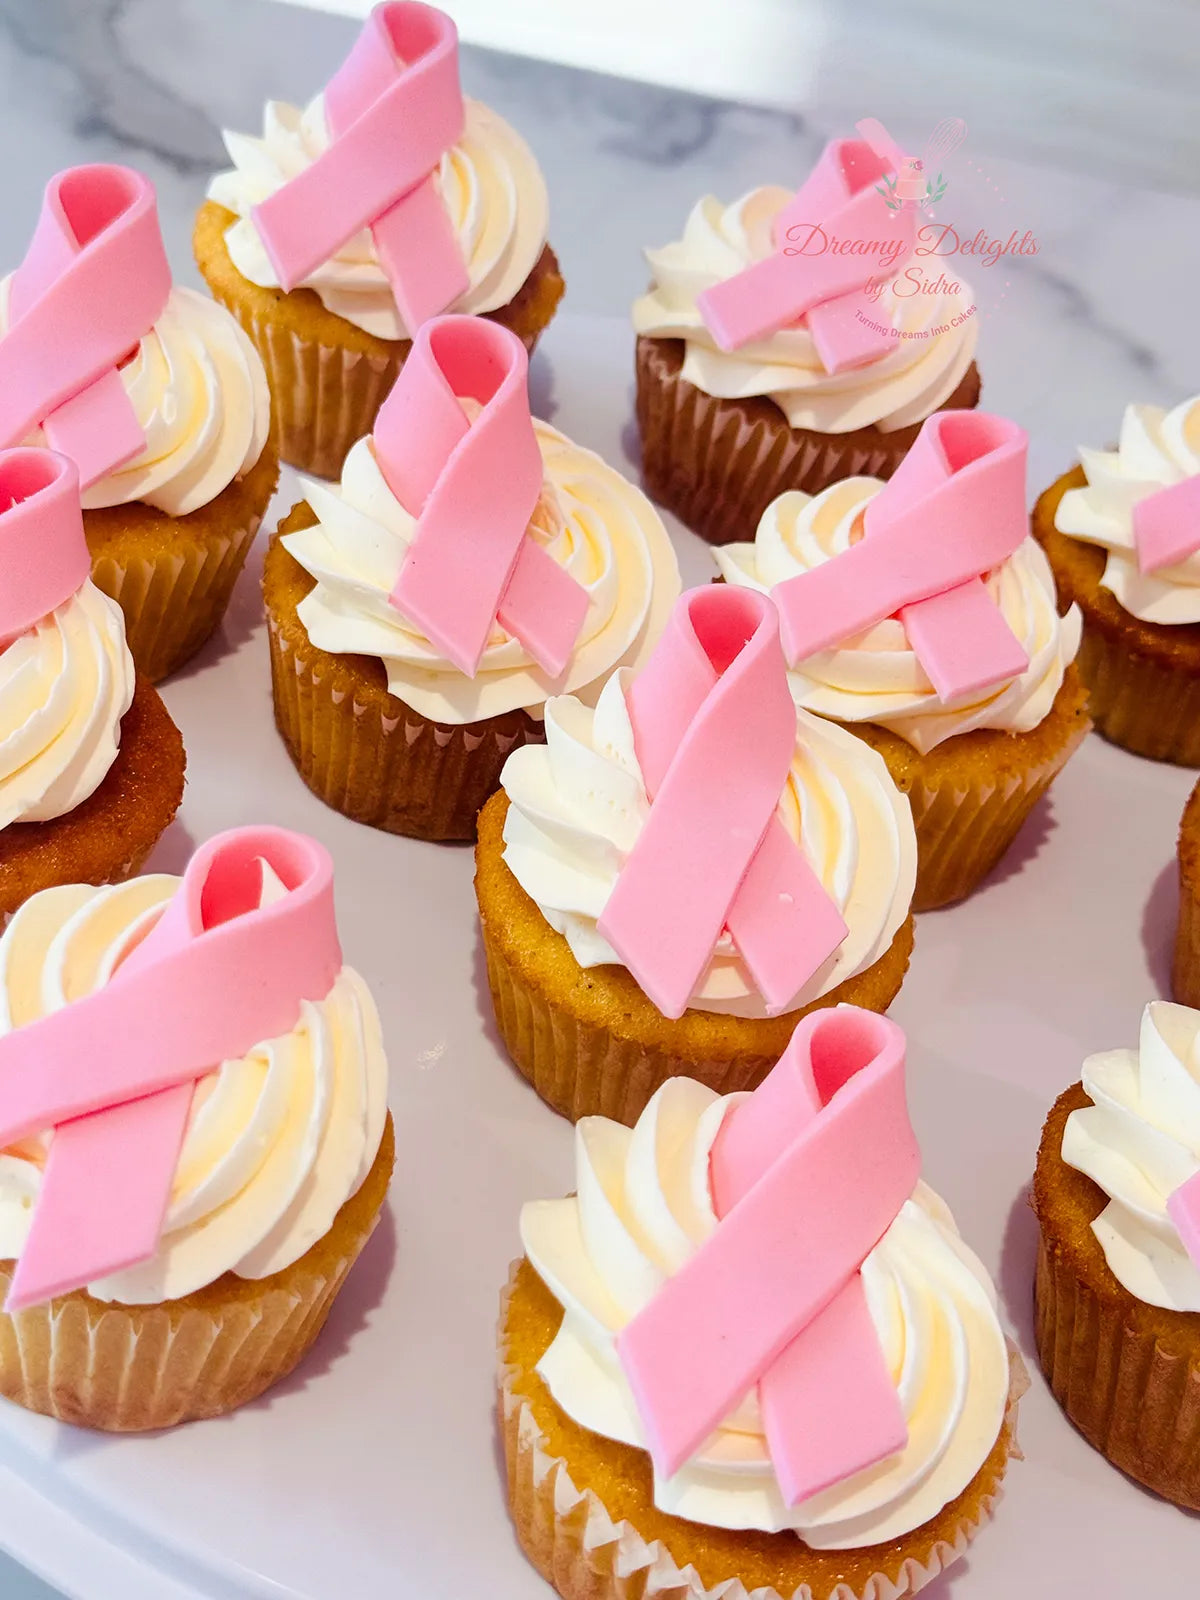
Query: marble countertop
[{"x": 1101, "y": 315}]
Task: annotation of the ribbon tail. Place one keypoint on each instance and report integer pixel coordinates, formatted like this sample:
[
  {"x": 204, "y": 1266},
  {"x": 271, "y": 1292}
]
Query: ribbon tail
[
  {"x": 963, "y": 642},
  {"x": 849, "y": 331},
  {"x": 97, "y": 428},
  {"x": 829, "y": 1405},
  {"x": 419, "y": 252},
  {"x": 1166, "y": 525},
  {"x": 783, "y": 921},
  {"x": 104, "y": 1196},
  {"x": 543, "y": 607},
  {"x": 1183, "y": 1208}
]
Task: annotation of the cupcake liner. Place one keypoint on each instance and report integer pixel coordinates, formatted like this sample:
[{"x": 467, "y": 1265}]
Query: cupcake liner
[
  {"x": 1150, "y": 709},
  {"x": 1185, "y": 974},
  {"x": 126, "y": 1369},
  {"x": 578, "y": 1547},
  {"x": 378, "y": 761},
  {"x": 718, "y": 464},
  {"x": 590, "y": 1042},
  {"x": 1132, "y": 1398}
]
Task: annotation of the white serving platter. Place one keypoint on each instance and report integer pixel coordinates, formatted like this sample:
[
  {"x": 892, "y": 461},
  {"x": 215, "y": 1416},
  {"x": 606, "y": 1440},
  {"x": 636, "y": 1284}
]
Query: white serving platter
[{"x": 373, "y": 1473}]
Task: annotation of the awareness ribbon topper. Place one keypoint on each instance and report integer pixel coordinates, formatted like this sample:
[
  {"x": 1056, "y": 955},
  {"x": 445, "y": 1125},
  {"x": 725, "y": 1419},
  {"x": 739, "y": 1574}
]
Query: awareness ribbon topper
[
  {"x": 112, "y": 1073},
  {"x": 93, "y": 282},
  {"x": 473, "y": 486},
  {"x": 827, "y": 289},
  {"x": 393, "y": 108},
  {"x": 807, "y": 1174},
  {"x": 1166, "y": 525},
  {"x": 714, "y": 728},
  {"x": 44, "y": 556},
  {"x": 953, "y": 510},
  {"x": 1183, "y": 1208}
]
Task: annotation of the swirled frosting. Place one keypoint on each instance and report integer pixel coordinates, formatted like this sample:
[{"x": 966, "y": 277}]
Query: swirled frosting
[
  {"x": 492, "y": 187},
  {"x": 876, "y": 676},
  {"x": 917, "y": 374},
  {"x": 591, "y": 520},
  {"x": 1157, "y": 448},
  {"x": 578, "y": 804},
  {"x": 642, "y": 1207},
  {"x": 65, "y": 684},
  {"x": 200, "y": 394},
  {"x": 276, "y": 1142},
  {"x": 1139, "y": 1140}
]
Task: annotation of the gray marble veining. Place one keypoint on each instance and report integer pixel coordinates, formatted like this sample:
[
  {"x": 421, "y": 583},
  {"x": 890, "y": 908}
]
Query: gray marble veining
[{"x": 1102, "y": 314}]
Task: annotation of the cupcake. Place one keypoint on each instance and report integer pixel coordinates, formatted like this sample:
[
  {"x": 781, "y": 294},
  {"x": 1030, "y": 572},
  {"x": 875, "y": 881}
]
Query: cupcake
[
  {"x": 1122, "y": 531},
  {"x": 677, "y": 877},
  {"x": 91, "y": 765},
  {"x": 162, "y": 402},
  {"x": 331, "y": 272},
  {"x": 470, "y": 564},
  {"x": 973, "y": 755},
  {"x": 732, "y": 416},
  {"x": 1117, "y": 1198},
  {"x": 251, "y": 1187},
  {"x": 1185, "y": 977},
  {"x": 693, "y": 1404}
]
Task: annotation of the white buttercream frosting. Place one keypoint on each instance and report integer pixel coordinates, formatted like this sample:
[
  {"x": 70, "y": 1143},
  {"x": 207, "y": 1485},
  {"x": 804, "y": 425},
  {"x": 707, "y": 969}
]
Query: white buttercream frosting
[
  {"x": 65, "y": 684},
  {"x": 592, "y": 521},
  {"x": 199, "y": 392},
  {"x": 642, "y": 1207},
  {"x": 1157, "y": 448},
  {"x": 578, "y": 803},
  {"x": 1140, "y": 1140},
  {"x": 875, "y": 676},
  {"x": 277, "y": 1141},
  {"x": 919, "y": 371},
  {"x": 491, "y": 185}
]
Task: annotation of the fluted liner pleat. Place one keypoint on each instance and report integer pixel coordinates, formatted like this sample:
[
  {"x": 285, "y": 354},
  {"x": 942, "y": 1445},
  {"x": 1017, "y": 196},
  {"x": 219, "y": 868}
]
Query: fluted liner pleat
[
  {"x": 1153, "y": 711},
  {"x": 402, "y": 773},
  {"x": 718, "y": 464},
  {"x": 585, "y": 1554},
  {"x": 1134, "y": 1400}
]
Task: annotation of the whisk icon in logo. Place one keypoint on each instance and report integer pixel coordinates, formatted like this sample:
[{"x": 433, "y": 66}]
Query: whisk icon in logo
[{"x": 912, "y": 184}]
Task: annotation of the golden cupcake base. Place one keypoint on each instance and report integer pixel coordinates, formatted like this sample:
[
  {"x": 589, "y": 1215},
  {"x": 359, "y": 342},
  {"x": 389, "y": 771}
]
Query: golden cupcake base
[
  {"x": 359, "y": 748},
  {"x": 971, "y": 794},
  {"x": 173, "y": 576},
  {"x": 1143, "y": 677},
  {"x": 1127, "y": 1374},
  {"x": 589, "y": 1040},
  {"x": 328, "y": 378},
  {"x": 127, "y": 1369},
  {"x": 1185, "y": 973},
  {"x": 109, "y": 836},
  {"x": 585, "y": 1516},
  {"x": 718, "y": 464}
]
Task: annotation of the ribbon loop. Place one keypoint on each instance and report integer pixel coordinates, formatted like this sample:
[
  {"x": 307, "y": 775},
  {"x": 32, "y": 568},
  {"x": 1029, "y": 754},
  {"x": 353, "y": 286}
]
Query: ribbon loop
[
  {"x": 44, "y": 556},
  {"x": 221, "y": 971},
  {"x": 473, "y": 487},
  {"x": 393, "y": 108},
  {"x": 94, "y": 280},
  {"x": 807, "y": 1174},
  {"x": 838, "y": 202},
  {"x": 953, "y": 510},
  {"x": 715, "y": 732},
  {"x": 1166, "y": 525}
]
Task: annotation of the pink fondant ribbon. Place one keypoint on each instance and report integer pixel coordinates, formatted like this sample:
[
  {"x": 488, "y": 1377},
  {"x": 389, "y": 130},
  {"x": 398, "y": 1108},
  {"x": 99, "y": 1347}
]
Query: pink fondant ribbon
[
  {"x": 1166, "y": 525},
  {"x": 113, "y": 1073},
  {"x": 44, "y": 556},
  {"x": 714, "y": 729},
  {"x": 954, "y": 509},
  {"x": 807, "y": 1174},
  {"x": 1183, "y": 1208},
  {"x": 394, "y": 108},
  {"x": 472, "y": 487},
  {"x": 94, "y": 281},
  {"x": 827, "y": 288}
]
